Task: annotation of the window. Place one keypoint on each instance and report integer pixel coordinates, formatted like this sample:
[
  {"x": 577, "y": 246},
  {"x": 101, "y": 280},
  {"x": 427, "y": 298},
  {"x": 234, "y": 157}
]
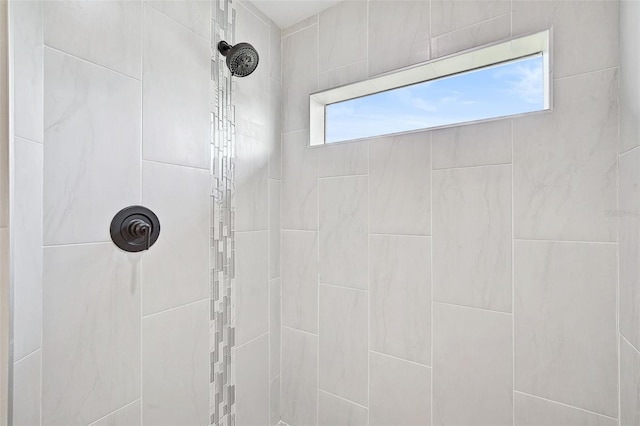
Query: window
[{"x": 495, "y": 81}]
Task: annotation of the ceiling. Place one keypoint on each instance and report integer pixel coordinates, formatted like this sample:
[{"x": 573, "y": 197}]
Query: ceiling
[{"x": 288, "y": 12}]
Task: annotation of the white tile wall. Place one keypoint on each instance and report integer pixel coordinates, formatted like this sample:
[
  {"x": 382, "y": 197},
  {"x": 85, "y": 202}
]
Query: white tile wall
[
  {"x": 335, "y": 411},
  {"x": 195, "y": 15},
  {"x": 534, "y": 411},
  {"x": 342, "y": 35},
  {"x": 27, "y": 390},
  {"x": 300, "y": 280},
  {"x": 629, "y": 71},
  {"x": 299, "y": 377},
  {"x": 299, "y": 182},
  {"x": 128, "y": 415},
  {"x": 629, "y": 384},
  {"x": 252, "y": 382}
]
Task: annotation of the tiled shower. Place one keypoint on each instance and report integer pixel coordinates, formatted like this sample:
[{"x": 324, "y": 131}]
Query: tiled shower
[{"x": 480, "y": 274}]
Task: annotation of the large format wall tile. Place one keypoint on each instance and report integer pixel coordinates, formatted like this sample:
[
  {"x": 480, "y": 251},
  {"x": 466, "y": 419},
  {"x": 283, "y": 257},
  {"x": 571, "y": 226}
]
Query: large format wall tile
[
  {"x": 344, "y": 342},
  {"x": 27, "y": 394},
  {"x": 175, "y": 361},
  {"x": 347, "y": 74},
  {"x": 251, "y": 184},
  {"x": 334, "y": 411},
  {"x": 629, "y": 384},
  {"x": 176, "y": 270},
  {"x": 129, "y": 415},
  {"x": 193, "y": 14},
  {"x": 629, "y": 75},
  {"x": 252, "y": 382},
  {"x": 564, "y": 163},
  {"x": 275, "y": 325},
  {"x": 344, "y": 231},
  {"x": 274, "y": 402},
  {"x": 533, "y": 411},
  {"x": 399, "y": 178},
  {"x": 482, "y": 33},
  {"x": 28, "y": 77},
  {"x": 400, "y": 300},
  {"x": 585, "y": 34},
  {"x": 299, "y": 182},
  {"x": 565, "y": 323},
  {"x": 299, "y": 379},
  {"x": 106, "y": 33},
  {"x": 275, "y": 235},
  {"x": 252, "y": 285},
  {"x": 479, "y": 144},
  {"x": 175, "y": 95},
  {"x": 299, "y": 77},
  {"x": 447, "y": 15},
  {"x": 91, "y": 332},
  {"x": 274, "y": 132},
  {"x": 629, "y": 245},
  {"x": 343, "y": 34},
  {"x": 407, "y": 43},
  {"x": 91, "y": 151},
  {"x": 275, "y": 57},
  {"x": 399, "y": 392},
  {"x": 300, "y": 280},
  {"x": 27, "y": 248},
  {"x": 472, "y": 366},
  {"x": 343, "y": 159},
  {"x": 472, "y": 237}
]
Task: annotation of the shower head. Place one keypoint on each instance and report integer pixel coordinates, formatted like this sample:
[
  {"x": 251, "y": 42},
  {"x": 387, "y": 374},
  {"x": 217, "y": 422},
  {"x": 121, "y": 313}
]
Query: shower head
[{"x": 242, "y": 59}]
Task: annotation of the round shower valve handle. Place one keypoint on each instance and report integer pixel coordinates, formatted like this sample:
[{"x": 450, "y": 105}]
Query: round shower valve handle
[{"x": 135, "y": 228}]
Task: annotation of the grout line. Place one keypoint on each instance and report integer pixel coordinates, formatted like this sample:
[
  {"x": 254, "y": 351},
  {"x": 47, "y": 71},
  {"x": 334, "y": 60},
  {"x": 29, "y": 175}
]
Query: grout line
[
  {"x": 175, "y": 307},
  {"x": 88, "y": 243},
  {"x": 623, "y": 153},
  {"x": 342, "y": 398},
  {"x": 472, "y": 167},
  {"x": 207, "y": 40},
  {"x": 472, "y": 307},
  {"x": 16, "y": 136},
  {"x": 565, "y": 405},
  {"x": 118, "y": 409},
  {"x": 301, "y": 29},
  {"x": 343, "y": 176},
  {"x": 241, "y": 3},
  {"x": 623, "y": 337},
  {"x": 55, "y": 49},
  {"x": 475, "y": 24},
  {"x": 513, "y": 284},
  {"x": 266, "y": 333},
  {"x": 617, "y": 310},
  {"x": 166, "y": 163},
  {"x": 383, "y": 234},
  {"x": 586, "y": 73},
  {"x": 296, "y": 230},
  {"x": 431, "y": 248},
  {"x": 531, "y": 240},
  {"x": 300, "y": 331},
  {"x": 342, "y": 287},
  {"x": 15, "y": 362},
  {"x": 400, "y": 359}
]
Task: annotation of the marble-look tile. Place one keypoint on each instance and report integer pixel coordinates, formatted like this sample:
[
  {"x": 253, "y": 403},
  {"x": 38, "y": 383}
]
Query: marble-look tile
[
  {"x": 275, "y": 130},
  {"x": 175, "y": 361},
  {"x": 274, "y": 228},
  {"x": 472, "y": 237},
  {"x": 343, "y": 159},
  {"x": 311, "y": 20},
  {"x": 629, "y": 75},
  {"x": 252, "y": 285},
  {"x": 274, "y": 402},
  {"x": 106, "y": 33},
  {"x": 275, "y": 325},
  {"x": 92, "y": 148},
  {"x": 299, "y": 379},
  {"x": 334, "y": 411},
  {"x": 28, "y": 73},
  {"x": 450, "y": 15},
  {"x": 398, "y": 34},
  {"x": 532, "y": 411},
  {"x": 565, "y": 323},
  {"x": 472, "y": 366},
  {"x": 400, "y": 301},
  {"x": 300, "y": 280},
  {"x": 347, "y": 74},
  {"x": 299, "y": 182},
  {"x": 175, "y": 93},
  {"x": 4, "y": 141},
  {"x": 564, "y": 163},
  {"x": 399, "y": 392},
  {"x": 343, "y": 34},
  {"x": 252, "y": 382},
  {"x": 27, "y": 390},
  {"x": 344, "y": 342},
  {"x": 476, "y": 35},
  {"x": 344, "y": 237},
  {"x": 193, "y": 14},
  {"x": 628, "y": 218},
  {"x": 275, "y": 49},
  {"x": 170, "y": 191},
  {"x": 27, "y": 247},
  {"x": 91, "y": 304},
  {"x": 251, "y": 184},
  {"x": 399, "y": 170},
  {"x": 472, "y": 145},
  {"x": 129, "y": 415},
  {"x": 251, "y": 94},
  {"x": 629, "y": 384},
  {"x": 585, "y": 34},
  {"x": 299, "y": 77}
]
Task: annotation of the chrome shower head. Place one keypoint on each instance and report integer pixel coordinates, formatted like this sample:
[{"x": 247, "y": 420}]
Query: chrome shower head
[{"x": 242, "y": 59}]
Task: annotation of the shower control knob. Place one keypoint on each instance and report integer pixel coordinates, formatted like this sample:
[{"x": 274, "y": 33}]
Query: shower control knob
[{"x": 135, "y": 228}]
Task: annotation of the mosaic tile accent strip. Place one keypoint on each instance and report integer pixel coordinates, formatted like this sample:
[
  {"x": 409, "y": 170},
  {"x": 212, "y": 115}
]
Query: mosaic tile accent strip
[{"x": 222, "y": 325}]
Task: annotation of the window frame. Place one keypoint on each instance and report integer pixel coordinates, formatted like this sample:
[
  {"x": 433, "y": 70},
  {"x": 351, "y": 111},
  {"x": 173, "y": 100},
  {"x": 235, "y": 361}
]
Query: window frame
[{"x": 468, "y": 60}]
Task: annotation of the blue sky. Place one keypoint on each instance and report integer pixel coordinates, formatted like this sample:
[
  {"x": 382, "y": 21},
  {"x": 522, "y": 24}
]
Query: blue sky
[{"x": 511, "y": 88}]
